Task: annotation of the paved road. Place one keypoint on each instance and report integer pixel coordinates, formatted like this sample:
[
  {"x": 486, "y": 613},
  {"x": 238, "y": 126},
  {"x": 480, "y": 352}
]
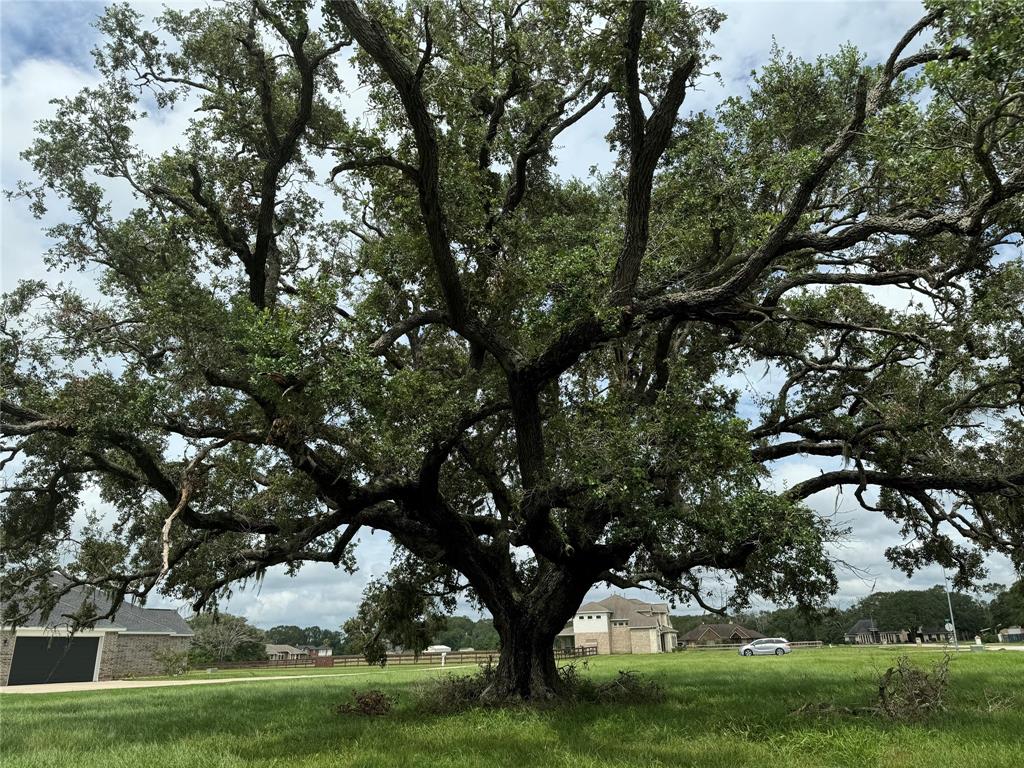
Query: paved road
[{"x": 104, "y": 685}]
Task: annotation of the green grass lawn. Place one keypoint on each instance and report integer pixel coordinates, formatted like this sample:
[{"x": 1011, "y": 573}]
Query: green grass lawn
[
  {"x": 722, "y": 710},
  {"x": 220, "y": 674}
]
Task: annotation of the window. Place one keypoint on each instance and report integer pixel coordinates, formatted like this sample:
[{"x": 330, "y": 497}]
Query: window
[{"x": 582, "y": 617}]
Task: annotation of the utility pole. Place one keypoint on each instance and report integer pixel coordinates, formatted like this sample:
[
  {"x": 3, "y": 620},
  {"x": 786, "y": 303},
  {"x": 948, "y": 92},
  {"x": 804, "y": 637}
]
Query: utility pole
[{"x": 949, "y": 602}]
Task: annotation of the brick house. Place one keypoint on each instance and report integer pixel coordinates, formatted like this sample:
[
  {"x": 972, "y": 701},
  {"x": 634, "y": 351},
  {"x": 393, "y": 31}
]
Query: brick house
[
  {"x": 866, "y": 632},
  {"x": 282, "y": 652},
  {"x": 129, "y": 645},
  {"x": 932, "y": 634},
  {"x": 620, "y": 625},
  {"x": 719, "y": 634},
  {"x": 317, "y": 650}
]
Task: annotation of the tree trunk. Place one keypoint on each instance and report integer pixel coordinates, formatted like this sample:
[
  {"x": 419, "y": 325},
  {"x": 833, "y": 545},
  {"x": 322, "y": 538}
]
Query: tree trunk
[
  {"x": 526, "y": 664},
  {"x": 527, "y": 629}
]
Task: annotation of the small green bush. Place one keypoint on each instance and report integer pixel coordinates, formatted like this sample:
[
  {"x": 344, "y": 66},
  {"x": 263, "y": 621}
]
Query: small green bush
[{"x": 172, "y": 662}]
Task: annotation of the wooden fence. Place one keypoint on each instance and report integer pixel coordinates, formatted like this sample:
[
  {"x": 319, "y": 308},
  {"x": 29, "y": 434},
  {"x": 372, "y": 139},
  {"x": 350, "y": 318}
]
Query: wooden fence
[
  {"x": 575, "y": 653},
  {"x": 737, "y": 646},
  {"x": 455, "y": 657}
]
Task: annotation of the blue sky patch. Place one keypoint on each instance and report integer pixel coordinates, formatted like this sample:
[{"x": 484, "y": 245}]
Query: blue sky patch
[{"x": 57, "y": 30}]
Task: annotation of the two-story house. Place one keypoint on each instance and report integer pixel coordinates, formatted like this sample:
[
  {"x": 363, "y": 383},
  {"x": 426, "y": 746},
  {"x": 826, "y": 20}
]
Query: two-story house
[{"x": 620, "y": 625}]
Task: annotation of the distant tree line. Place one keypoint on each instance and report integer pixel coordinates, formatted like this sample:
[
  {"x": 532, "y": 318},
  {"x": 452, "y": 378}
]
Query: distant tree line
[
  {"x": 318, "y": 637},
  {"x": 223, "y": 637},
  {"x": 464, "y": 632},
  {"x": 997, "y": 606}
]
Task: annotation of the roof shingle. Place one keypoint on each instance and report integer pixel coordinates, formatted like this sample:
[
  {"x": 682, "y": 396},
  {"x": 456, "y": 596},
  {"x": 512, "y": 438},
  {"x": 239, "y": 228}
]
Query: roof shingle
[
  {"x": 863, "y": 627},
  {"x": 128, "y": 618}
]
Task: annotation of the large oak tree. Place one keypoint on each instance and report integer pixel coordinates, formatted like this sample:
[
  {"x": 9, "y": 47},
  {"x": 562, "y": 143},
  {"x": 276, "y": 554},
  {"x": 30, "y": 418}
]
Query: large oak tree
[{"x": 520, "y": 377}]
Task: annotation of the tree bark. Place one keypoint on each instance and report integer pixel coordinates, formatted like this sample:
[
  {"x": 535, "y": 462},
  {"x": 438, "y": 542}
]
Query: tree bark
[
  {"x": 526, "y": 664},
  {"x": 526, "y": 632}
]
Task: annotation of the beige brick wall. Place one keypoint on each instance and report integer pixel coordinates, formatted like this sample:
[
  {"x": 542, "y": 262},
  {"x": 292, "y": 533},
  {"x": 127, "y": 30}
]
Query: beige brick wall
[
  {"x": 620, "y": 640},
  {"x": 109, "y": 656},
  {"x": 6, "y": 654},
  {"x": 600, "y": 639},
  {"x": 135, "y": 655},
  {"x": 643, "y": 641}
]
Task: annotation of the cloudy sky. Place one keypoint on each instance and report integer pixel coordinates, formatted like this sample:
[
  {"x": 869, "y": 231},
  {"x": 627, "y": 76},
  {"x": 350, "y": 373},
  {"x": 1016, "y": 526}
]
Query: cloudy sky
[{"x": 44, "y": 54}]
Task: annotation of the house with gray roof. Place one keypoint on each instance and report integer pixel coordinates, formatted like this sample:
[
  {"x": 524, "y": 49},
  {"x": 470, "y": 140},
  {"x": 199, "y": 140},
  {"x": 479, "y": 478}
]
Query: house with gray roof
[
  {"x": 620, "y": 625},
  {"x": 719, "y": 634},
  {"x": 42, "y": 649},
  {"x": 283, "y": 652},
  {"x": 867, "y": 632}
]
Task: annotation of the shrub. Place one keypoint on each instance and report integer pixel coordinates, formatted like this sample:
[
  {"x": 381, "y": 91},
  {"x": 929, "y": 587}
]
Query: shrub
[{"x": 172, "y": 662}]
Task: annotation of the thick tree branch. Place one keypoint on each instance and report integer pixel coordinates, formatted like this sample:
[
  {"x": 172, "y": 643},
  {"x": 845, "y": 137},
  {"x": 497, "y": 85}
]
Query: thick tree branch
[
  {"x": 647, "y": 141},
  {"x": 374, "y": 40},
  {"x": 379, "y": 161},
  {"x": 1009, "y": 485}
]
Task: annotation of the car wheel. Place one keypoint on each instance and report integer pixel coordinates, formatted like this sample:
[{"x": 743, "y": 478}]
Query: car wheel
[
  {"x": 748, "y": 652},
  {"x": 779, "y": 651}
]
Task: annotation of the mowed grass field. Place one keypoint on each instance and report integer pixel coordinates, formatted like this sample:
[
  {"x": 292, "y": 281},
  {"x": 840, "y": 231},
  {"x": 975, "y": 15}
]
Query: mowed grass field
[
  {"x": 721, "y": 710},
  {"x": 362, "y": 669}
]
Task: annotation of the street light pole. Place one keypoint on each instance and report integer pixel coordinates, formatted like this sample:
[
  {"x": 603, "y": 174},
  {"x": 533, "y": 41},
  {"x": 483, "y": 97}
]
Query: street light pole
[{"x": 949, "y": 602}]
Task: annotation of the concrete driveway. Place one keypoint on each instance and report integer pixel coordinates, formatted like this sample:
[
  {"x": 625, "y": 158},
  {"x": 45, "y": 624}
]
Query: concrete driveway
[{"x": 106, "y": 685}]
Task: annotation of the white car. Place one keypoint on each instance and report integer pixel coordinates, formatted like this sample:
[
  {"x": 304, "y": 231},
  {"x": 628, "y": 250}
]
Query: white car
[{"x": 767, "y": 646}]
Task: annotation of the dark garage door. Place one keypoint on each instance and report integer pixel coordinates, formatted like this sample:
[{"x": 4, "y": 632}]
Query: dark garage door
[{"x": 53, "y": 660}]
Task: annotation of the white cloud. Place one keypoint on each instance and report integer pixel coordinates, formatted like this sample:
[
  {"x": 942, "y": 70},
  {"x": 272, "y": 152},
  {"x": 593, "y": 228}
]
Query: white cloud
[{"x": 24, "y": 99}]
